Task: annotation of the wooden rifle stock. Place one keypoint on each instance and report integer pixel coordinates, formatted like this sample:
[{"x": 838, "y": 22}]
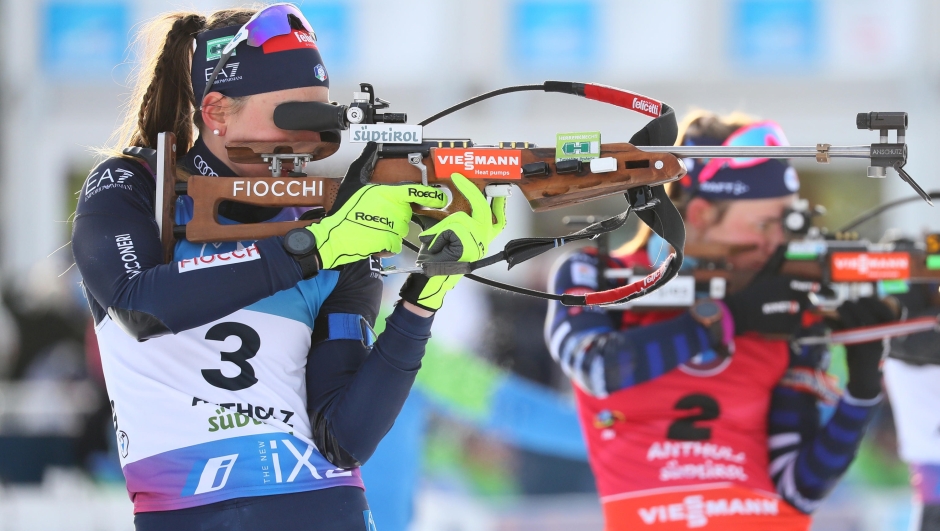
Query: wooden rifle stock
[
  {"x": 540, "y": 183},
  {"x": 820, "y": 269},
  {"x": 713, "y": 264}
]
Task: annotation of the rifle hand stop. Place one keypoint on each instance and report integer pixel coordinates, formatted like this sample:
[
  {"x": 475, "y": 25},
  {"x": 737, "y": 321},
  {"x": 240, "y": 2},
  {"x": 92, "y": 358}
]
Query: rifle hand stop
[{"x": 885, "y": 154}]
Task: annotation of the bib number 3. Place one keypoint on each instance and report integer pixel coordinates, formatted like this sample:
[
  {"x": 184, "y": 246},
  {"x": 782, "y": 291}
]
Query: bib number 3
[{"x": 251, "y": 343}]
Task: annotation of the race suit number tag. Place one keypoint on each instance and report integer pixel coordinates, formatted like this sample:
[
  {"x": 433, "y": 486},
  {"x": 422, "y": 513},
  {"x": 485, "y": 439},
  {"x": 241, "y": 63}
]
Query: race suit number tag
[
  {"x": 478, "y": 163},
  {"x": 865, "y": 267}
]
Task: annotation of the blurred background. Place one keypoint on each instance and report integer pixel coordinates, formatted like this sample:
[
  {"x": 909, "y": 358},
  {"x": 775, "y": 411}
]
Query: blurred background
[{"x": 811, "y": 65}]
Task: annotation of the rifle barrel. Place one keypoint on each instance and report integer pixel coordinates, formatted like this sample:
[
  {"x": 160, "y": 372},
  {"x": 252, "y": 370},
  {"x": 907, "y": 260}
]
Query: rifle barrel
[{"x": 773, "y": 152}]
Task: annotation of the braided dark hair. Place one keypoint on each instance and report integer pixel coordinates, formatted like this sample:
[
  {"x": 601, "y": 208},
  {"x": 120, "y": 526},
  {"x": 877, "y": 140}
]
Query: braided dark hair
[
  {"x": 165, "y": 105},
  {"x": 162, "y": 99}
]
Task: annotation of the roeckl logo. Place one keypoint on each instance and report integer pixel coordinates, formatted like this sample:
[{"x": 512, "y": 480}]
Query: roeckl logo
[
  {"x": 788, "y": 307},
  {"x": 805, "y": 286},
  {"x": 413, "y": 192},
  {"x": 201, "y": 262},
  {"x": 362, "y": 216}
]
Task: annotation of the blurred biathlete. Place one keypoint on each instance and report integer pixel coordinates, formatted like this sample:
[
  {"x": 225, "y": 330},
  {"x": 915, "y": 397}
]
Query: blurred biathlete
[
  {"x": 695, "y": 419},
  {"x": 245, "y": 383},
  {"x": 912, "y": 374}
]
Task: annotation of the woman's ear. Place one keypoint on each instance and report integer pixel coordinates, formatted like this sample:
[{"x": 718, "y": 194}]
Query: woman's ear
[
  {"x": 699, "y": 214},
  {"x": 213, "y": 112}
]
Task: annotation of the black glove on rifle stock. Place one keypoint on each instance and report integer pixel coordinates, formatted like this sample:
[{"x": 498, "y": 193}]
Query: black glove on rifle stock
[
  {"x": 770, "y": 305},
  {"x": 863, "y": 359}
]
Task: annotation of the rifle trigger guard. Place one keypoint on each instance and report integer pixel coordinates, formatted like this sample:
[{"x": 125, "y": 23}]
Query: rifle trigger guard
[
  {"x": 642, "y": 199},
  {"x": 416, "y": 160},
  {"x": 652, "y": 203}
]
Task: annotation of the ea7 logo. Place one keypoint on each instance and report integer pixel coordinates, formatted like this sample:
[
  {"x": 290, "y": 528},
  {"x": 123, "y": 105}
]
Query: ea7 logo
[
  {"x": 210, "y": 479},
  {"x": 99, "y": 181},
  {"x": 227, "y": 73}
]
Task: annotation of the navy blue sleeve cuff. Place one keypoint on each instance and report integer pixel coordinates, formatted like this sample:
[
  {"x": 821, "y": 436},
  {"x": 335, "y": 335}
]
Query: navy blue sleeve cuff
[
  {"x": 282, "y": 270},
  {"x": 405, "y": 336}
]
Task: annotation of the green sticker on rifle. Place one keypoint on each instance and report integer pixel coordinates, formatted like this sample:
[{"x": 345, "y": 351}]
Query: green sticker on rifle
[
  {"x": 933, "y": 261},
  {"x": 805, "y": 250},
  {"x": 893, "y": 287},
  {"x": 578, "y": 146}
]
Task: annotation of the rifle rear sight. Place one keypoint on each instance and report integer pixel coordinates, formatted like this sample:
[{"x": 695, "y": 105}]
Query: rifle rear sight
[
  {"x": 884, "y": 154},
  {"x": 332, "y": 117}
]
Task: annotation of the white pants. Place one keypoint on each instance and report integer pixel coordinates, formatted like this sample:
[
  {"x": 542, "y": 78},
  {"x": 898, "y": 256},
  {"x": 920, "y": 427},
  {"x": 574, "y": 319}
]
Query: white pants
[{"x": 915, "y": 400}]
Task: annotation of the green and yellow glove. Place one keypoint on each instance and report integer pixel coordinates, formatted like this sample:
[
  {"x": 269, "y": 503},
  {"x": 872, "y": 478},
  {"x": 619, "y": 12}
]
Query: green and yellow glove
[
  {"x": 457, "y": 238},
  {"x": 374, "y": 220}
]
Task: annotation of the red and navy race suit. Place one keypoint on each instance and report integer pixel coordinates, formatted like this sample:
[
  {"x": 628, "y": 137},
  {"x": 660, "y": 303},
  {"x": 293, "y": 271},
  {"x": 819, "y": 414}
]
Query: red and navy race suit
[
  {"x": 680, "y": 438},
  {"x": 229, "y": 375}
]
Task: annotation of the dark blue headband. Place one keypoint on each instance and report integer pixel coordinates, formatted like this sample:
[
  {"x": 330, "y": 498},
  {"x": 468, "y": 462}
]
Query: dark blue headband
[
  {"x": 773, "y": 178},
  {"x": 283, "y": 62}
]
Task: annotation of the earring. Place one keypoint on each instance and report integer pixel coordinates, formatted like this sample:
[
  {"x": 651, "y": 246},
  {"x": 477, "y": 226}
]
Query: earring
[{"x": 215, "y": 132}]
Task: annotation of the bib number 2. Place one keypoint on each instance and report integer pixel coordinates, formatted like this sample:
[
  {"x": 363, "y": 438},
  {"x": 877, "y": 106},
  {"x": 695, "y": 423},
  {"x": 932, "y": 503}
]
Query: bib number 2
[
  {"x": 251, "y": 343},
  {"x": 684, "y": 429}
]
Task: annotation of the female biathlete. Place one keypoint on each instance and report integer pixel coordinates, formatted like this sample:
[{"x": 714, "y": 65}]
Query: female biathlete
[
  {"x": 245, "y": 385},
  {"x": 698, "y": 419}
]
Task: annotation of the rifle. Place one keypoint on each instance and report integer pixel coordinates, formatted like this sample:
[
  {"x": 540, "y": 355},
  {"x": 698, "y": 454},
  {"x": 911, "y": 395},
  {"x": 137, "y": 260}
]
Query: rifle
[
  {"x": 847, "y": 267},
  {"x": 638, "y": 169}
]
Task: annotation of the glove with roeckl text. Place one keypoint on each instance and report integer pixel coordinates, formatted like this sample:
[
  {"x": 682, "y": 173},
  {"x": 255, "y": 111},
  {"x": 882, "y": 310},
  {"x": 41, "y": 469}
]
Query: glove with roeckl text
[
  {"x": 374, "y": 220},
  {"x": 457, "y": 238}
]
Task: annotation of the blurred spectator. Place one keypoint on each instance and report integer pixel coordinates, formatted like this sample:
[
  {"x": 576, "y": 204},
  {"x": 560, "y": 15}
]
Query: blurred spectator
[
  {"x": 50, "y": 319},
  {"x": 911, "y": 375},
  {"x": 9, "y": 340},
  {"x": 53, "y": 413}
]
